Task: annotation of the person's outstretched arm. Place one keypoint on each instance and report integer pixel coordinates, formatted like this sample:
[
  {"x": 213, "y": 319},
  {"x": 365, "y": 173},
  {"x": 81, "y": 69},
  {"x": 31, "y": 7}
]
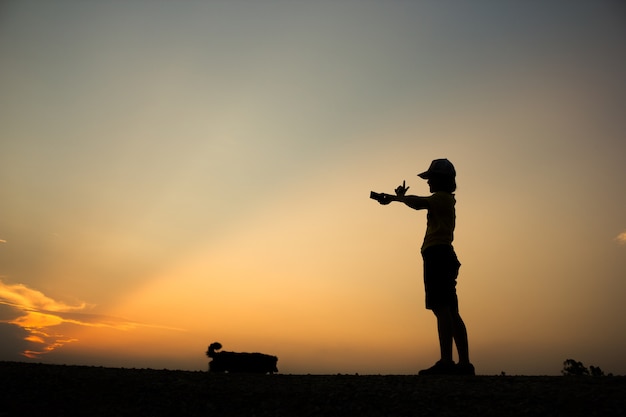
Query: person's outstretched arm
[{"x": 412, "y": 201}]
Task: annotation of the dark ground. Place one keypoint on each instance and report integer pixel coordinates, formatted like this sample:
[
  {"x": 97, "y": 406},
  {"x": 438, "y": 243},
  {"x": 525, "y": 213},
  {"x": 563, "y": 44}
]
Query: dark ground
[{"x": 56, "y": 390}]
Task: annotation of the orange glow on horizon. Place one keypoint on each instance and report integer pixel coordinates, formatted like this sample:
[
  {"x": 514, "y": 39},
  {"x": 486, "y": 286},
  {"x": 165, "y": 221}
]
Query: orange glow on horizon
[{"x": 25, "y": 302}]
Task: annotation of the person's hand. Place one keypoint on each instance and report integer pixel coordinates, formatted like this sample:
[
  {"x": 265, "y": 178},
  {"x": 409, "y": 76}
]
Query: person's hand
[
  {"x": 402, "y": 189},
  {"x": 384, "y": 199}
]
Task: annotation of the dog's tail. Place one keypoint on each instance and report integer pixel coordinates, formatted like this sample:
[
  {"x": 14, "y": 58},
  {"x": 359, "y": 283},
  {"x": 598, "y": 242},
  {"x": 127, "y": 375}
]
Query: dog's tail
[{"x": 212, "y": 348}]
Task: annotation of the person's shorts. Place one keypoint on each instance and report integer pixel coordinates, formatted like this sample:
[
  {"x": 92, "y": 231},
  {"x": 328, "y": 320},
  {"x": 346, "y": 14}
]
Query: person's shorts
[{"x": 441, "y": 268}]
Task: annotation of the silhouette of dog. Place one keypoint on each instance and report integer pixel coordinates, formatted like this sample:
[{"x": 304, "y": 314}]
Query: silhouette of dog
[{"x": 236, "y": 362}]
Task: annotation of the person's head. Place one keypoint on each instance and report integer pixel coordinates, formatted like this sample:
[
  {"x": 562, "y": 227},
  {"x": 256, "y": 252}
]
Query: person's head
[{"x": 441, "y": 176}]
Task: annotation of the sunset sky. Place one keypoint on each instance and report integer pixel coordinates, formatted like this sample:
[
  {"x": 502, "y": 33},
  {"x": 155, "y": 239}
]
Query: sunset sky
[{"x": 178, "y": 173}]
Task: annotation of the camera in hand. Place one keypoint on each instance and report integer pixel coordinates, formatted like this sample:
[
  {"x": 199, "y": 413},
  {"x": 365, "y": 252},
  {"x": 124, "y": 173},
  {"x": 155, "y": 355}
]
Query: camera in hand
[{"x": 376, "y": 196}]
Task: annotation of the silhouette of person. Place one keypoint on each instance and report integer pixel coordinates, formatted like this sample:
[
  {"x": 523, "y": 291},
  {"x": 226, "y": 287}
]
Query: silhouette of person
[{"x": 441, "y": 265}]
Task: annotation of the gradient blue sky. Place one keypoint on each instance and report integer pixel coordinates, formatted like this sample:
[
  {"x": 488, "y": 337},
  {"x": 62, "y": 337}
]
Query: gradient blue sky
[{"x": 178, "y": 173}]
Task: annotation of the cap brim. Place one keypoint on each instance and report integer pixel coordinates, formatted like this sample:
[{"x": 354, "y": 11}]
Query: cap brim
[{"x": 424, "y": 175}]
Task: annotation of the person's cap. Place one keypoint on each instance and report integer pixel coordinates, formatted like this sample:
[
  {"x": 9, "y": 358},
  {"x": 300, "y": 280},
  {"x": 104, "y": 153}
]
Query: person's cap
[{"x": 441, "y": 167}]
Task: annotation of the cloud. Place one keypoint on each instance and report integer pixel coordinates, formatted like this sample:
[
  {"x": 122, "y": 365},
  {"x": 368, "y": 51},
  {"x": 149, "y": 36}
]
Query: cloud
[
  {"x": 21, "y": 296},
  {"x": 34, "y": 316},
  {"x": 14, "y": 342},
  {"x": 621, "y": 238}
]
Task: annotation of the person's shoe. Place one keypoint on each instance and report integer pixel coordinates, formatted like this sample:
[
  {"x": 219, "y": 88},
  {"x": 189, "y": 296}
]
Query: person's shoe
[
  {"x": 440, "y": 368},
  {"x": 465, "y": 369}
]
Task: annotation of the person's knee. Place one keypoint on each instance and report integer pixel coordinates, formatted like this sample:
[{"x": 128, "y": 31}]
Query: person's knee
[{"x": 457, "y": 320}]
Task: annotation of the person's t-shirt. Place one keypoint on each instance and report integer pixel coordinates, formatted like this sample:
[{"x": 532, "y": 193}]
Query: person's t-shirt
[{"x": 441, "y": 220}]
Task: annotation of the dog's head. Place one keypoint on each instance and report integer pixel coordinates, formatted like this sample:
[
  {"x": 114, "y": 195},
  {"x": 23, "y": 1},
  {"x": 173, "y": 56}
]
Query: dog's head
[{"x": 212, "y": 348}]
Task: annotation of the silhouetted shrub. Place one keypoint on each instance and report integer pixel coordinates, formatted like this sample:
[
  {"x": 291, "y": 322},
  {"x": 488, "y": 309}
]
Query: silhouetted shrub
[
  {"x": 575, "y": 368},
  {"x": 596, "y": 371}
]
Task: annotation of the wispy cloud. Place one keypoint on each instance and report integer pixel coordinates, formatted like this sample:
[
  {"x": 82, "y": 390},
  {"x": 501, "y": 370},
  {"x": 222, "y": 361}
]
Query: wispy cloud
[
  {"x": 39, "y": 314},
  {"x": 19, "y": 295},
  {"x": 621, "y": 238}
]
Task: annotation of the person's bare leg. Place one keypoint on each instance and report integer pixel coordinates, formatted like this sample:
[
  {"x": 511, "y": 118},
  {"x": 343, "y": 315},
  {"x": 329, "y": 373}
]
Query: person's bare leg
[
  {"x": 445, "y": 328},
  {"x": 459, "y": 333},
  {"x": 445, "y": 366}
]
